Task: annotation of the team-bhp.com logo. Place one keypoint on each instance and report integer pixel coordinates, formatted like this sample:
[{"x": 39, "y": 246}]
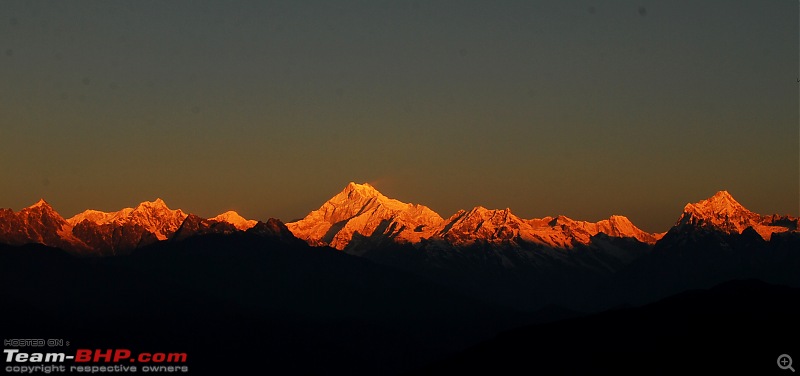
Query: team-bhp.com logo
[{"x": 113, "y": 360}]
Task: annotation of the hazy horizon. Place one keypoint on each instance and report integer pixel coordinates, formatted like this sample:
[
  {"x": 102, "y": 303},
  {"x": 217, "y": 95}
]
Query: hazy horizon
[{"x": 270, "y": 108}]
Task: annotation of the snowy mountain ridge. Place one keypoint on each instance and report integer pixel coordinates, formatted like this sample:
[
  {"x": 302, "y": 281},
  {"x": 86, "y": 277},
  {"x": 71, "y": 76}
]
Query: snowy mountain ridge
[
  {"x": 360, "y": 217},
  {"x": 360, "y": 208},
  {"x": 95, "y": 232},
  {"x": 722, "y": 212}
]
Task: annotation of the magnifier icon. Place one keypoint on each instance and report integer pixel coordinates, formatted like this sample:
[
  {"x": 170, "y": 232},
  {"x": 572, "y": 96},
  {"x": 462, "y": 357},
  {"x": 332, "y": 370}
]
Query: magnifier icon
[{"x": 785, "y": 362}]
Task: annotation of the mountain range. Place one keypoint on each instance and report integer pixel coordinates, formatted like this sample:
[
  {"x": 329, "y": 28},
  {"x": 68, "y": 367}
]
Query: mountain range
[
  {"x": 489, "y": 254},
  {"x": 360, "y": 212},
  {"x": 359, "y": 216},
  {"x": 370, "y": 285},
  {"x": 98, "y": 233}
]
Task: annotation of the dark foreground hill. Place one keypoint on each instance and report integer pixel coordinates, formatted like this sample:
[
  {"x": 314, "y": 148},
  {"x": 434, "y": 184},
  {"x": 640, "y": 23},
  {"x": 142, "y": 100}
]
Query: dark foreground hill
[
  {"x": 242, "y": 302},
  {"x": 739, "y": 327},
  {"x": 265, "y": 300}
]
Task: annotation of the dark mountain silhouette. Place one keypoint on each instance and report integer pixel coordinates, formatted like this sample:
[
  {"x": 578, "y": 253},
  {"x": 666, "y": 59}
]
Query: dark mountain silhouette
[
  {"x": 739, "y": 327},
  {"x": 242, "y": 300},
  {"x": 699, "y": 256},
  {"x": 541, "y": 276},
  {"x": 194, "y": 225}
]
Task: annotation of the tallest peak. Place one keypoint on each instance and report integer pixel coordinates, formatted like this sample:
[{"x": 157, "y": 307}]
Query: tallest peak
[
  {"x": 722, "y": 195},
  {"x": 354, "y": 185},
  {"x": 364, "y": 189}
]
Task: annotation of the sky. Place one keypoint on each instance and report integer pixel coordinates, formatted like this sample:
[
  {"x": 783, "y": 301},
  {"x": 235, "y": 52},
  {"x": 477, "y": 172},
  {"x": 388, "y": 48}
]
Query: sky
[{"x": 580, "y": 108}]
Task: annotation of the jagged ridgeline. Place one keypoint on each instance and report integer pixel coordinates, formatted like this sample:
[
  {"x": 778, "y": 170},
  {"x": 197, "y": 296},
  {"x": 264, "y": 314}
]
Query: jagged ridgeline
[
  {"x": 490, "y": 254},
  {"x": 359, "y": 218}
]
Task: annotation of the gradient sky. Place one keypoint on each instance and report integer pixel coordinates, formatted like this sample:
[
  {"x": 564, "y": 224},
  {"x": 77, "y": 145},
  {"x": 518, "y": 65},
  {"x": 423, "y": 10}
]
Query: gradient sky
[{"x": 581, "y": 108}]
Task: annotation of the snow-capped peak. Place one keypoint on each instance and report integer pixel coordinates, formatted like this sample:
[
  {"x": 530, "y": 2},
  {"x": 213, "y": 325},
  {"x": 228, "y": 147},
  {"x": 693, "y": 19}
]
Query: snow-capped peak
[
  {"x": 481, "y": 214},
  {"x": 364, "y": 190},
  {"x": 155, "y": 216},
  {"x": 722, "y": 203},
  {"x": 40, "y": 204},
  {"x": 99, "y": 217},
  {"x": 235, "y": 219},
  {"x": 720, "y": 211},
  {"x": 158, "y": 203},
  {"x": 481, "y": 223},
  {"x": 621, "y": 226},
  {"x": 361, "y": 208},
  {"x": 582, "y": 231}
]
